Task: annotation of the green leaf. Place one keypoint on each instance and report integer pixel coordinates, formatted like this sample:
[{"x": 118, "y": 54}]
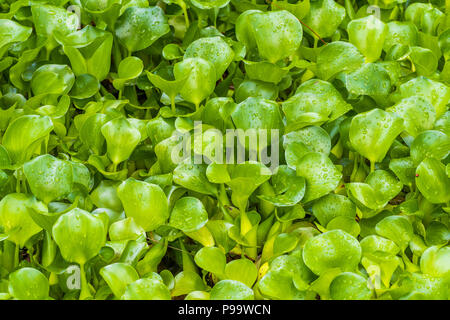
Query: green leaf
[
  {"x": 211, "y": 259},
  {"x": 133, "y": 30},
  {"x": 320, "y": 174},
  {"x": 188, "y": 214},
  {"x": 432, "y": 181},
  {"x": 49, "y": 178},
  {"x": 231, "y": 290},
  {"x": 145, "y": 202},
  {"x": 79, "y": 235},
  {"x": 28, "y": 284},
  {"x": 333, "y": 249}
]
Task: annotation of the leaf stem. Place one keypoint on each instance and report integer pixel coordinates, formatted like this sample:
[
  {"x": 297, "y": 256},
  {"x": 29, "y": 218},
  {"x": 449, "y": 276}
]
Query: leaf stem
[
  {"x": 84, "y": 293},
  {"x": 16, "y": 256},
  {"x": 372, "y": 166}
]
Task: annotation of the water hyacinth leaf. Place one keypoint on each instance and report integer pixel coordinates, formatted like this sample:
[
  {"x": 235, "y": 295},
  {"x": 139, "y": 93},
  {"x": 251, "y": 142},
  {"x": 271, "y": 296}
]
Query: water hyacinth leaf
[
  {"x": 15, "y": 217},
  {"x": 85, "y": 86},
  {"x": 400, "y": 33},
  {"x": 125, "y": 229},
  {"x": 28, "y": 284},
  {"x": 12, "y": 32},
  {"x": 434, "y": 261},
  {"x": 430, "y": 144},
  {"x": 213, "y": 49},
  {"x": 350, "y": 286},
  {"x": 276, "y": 29},
  {"x": 374, "y": 243},
  {"x": 105, "y": 196},
  {"x": 370, "y": 79},
  {"x": 194, "y": 177},
  {"x": 404, "y": 169},
  {"x": 89, "y": 231},
  {"x": 211, "y": 259},
  {"x": 145, "y": 202},
  {"x": 346, "y": 224},
  {"x": 432, "y": 181},
  {"x": 303, "y": 109},
  {"x": 210, "y": 4},
  {"x": 324, "y": 17},
  {"x": 118, "y": 276},
  {"x": 231, "y": 290},
  {"x": 435, "y": 92},
  {"x": 49, "y": 178},
  {"x": 437, "y": 233},
  {"x": 338, "y": 57},
  {"x": 314, "y": 138},
  {"x": 146, "y": 289},
  {"x": 424, "y": 60},
  {"x": 121, "y": 139},
  {"x": 129, "y": 68},
  {"x": 320, "y": 174},
  {"x": 257, "y": 89},
  {"x": 284, "y": 242},
  {"x": 50, "y": 19},
  {"x": 171, "y": 88},
  {"x": 52, "y": 79},
  {"x": 89, "y": 51},
  {"x": 201, "y": 79},
  {"x": 331, "y": 206},
  {"x": 187, "y": 282},
  {"x": 289, "y": 188},
  {"x": 397, "y": 229},
  {"x": 245, "y": 179},
  {"x": 133, "y": 30},
  {"x": 418, "y": 114},
  {"x": 363, "y": 29},
  {"x": 188, "y": 214},
  {"x": 373, "y": 132},
  {"x": 242, "y": 270},
  {"x": 333, "y": 249}
]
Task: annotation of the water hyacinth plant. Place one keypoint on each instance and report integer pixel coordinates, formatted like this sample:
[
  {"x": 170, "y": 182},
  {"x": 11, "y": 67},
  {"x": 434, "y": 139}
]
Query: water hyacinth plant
[{"x": 224, "y": 150}]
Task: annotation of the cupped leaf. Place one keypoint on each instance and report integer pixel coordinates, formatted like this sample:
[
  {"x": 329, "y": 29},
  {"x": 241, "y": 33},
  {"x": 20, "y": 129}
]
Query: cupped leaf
[
  {"x": 211, "y": 259},
  {"x": 397, "y": 229},
  {"x": 134, "y": 30},
  {"x": 231, "y": 290},
  {"x": 79, "y": 235},
  {"x": 145, "y": 202},
  {"x": 368, "y": 35},
  {"x": 188, "y": 214},
  {"x": 16, "y": 219},
  {"x": 28, "y": 284},
  {"x": 52, "y": 79},
  {"x": 49, "y": 178},
  {"x": 118, "y": 275},
  {"x": 146, "y": 289},
  {"x": 337, "y": 57},
  {"x": 320, "y": 173},
  {"x": 212, "y": 49},
  {"x": 201, "y": 79},
  {"x": 432, "y": 181},
  {"x": 373, "y": 132},
  {"x": 289, "y": 188},
  {"x": 332, "y": 249},
  {"x": 430, "y": 144},
  {"x": 350, "y": 286}
]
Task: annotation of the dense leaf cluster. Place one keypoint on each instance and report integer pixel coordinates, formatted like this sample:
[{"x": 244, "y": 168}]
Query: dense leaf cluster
[{"x": 94, "y": 96}]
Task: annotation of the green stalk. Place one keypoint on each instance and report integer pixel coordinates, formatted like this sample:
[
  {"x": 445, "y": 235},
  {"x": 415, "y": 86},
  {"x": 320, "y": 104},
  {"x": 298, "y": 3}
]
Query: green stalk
[
  {"x": 8, "y": 255},
  {"x": 16, "y": 256},
  {"x": 372, "y": 166},
  {"x": 85, "y": 293}
]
